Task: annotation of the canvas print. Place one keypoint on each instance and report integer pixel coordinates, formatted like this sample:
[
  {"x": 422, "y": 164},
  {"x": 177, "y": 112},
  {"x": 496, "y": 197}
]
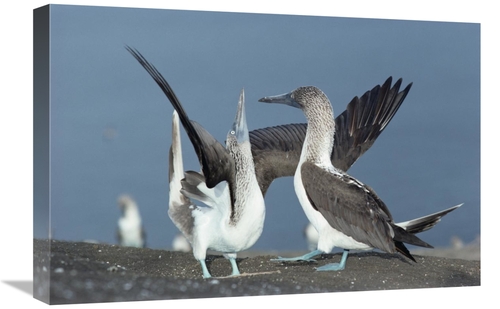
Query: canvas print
[{"x": 193, "y": 154}]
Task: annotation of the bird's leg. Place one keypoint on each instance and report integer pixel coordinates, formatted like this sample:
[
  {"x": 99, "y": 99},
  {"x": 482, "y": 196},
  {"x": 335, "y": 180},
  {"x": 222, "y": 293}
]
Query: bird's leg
[
  {"x": 335, "y": 266},
  {"x": 206, "y": 274},
  {"x": 236, "y": 271},
  {"x": 308, "y": 257},
  {"x": 232, "y": 258}
]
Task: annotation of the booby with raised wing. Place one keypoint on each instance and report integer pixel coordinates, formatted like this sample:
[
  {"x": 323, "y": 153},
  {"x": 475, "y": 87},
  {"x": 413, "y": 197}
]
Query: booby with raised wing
[
  {"x": 345, "y": 212},
  {"x": 276, "y": 150},
  {"x": 130, "y": 231},
  {"x": 234, "y": 217}
]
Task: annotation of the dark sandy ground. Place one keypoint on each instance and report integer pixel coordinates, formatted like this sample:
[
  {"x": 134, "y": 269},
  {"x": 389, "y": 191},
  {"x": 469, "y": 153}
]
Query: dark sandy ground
[{"x": 84, "y": 272}]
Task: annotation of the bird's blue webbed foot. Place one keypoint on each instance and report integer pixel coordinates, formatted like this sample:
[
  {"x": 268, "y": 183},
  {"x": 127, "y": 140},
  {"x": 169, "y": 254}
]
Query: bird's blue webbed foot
[
  {"x": 308, "y": 257},
  {"x": 335, "y": 266}
]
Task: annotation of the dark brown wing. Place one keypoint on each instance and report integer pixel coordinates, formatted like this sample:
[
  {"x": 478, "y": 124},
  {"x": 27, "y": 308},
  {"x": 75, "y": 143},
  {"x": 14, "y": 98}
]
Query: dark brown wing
[
  {"x": 355, "y": 210},
  {"x": 348, "y": 207},
  {"x": 363, "y": 121},
  {"x": 216, "y": 163},
  {"x": 276, "y": 151}
]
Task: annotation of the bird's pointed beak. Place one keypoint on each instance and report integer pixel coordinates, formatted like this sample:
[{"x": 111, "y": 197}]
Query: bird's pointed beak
[
  {"x": 286, "y": 99},
  {"x": 239, "y": 127}
]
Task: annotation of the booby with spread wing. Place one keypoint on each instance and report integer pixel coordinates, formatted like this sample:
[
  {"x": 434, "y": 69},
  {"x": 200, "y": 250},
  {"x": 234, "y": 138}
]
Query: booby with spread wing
[
  {"x": 234, "y": 217},
  {"x": 345, "y": 212},
  {"x": 276, "y": 150}
]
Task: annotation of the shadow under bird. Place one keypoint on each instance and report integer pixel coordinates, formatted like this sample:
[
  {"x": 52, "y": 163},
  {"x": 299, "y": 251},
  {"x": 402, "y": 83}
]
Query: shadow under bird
[
  {"x": 234, "y": 217},
  {"x": 345, "y": 212}
]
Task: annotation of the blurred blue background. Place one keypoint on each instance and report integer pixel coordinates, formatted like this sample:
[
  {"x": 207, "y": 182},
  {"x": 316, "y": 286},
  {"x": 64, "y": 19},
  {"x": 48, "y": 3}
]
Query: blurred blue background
[{"x": 111, "y": 123}]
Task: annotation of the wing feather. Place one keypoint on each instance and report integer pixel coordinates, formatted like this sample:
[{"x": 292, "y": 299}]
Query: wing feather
[
  {"x": 217, "y": 165},
  {"x": 349, "y": 207},
  {"x": 276, "y": 150}
]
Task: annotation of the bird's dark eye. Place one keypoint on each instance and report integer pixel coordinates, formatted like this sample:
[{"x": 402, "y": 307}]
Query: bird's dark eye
[{"x": 233, "y": 133}]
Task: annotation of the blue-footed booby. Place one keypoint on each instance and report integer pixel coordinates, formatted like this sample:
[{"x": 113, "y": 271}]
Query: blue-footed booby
[
  {"x": 276, "y": 150},
  {"x": 345, "y": 212},
  {"x": 234, "y": 217},
  {"x": 130, "y": 231}
]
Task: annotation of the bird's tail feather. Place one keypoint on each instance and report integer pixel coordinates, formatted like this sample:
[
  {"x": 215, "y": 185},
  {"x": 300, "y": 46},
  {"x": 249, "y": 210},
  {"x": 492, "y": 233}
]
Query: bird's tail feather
[
  {"x": 400, "y": 247},
  {"x": 402, "y": 235},
  {"x": 425, "y": 223}
]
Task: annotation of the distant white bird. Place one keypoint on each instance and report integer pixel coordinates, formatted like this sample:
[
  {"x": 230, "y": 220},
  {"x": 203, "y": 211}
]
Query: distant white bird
[
  {"x": 130, "y": 230},
  {"x": 311, "y": 236},
  {"x": 180, "y": 243}
]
